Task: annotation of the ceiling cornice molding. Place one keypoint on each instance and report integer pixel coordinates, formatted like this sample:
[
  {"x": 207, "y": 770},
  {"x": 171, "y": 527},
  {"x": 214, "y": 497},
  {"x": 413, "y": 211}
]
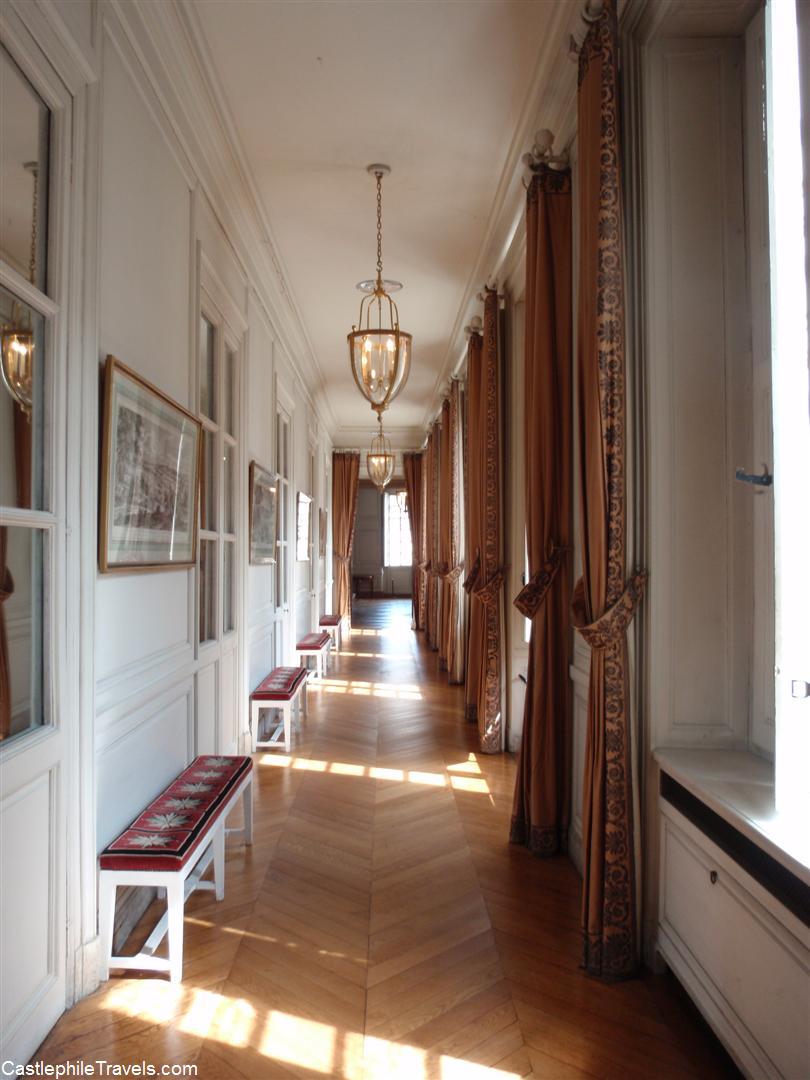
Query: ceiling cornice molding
[
  {"x": 402, "y": 437},
  {"x": 174, "y": 54},
  {"x": 557, "y": 112}
]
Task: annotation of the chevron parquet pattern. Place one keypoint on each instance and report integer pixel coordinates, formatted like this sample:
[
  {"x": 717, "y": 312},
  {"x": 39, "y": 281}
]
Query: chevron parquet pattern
[{"x": 381, "y": 927}]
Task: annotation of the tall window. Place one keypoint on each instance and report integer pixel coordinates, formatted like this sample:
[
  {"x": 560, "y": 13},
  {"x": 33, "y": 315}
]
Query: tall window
[
  {"x": 791, "y": 390},
  {"x": 218, "y": 394},
  {"x": 28, "y": 520},
  {"x": 397, "y": 528}
]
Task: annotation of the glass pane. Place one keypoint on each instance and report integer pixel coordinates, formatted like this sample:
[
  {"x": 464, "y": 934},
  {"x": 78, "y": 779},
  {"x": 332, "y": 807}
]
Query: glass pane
[
  {"x": 24, "y": 123},
  {"x": 208, "y": 370},
  {"x": 22, "y": 401},
  {"x": 208, "y": 583},
  {"x": 21, "y": 619},
  {"x": 281, "y": 576},
  {"x": 227, "y": 487},
  {"x": 228, "y": 587},
  {"x": 230, "y": 391},
  {"x": 208, "y": 519}
]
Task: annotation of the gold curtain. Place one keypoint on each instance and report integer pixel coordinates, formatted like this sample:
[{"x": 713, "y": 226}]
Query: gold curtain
[
  {"x": 472, "y": 526},
  {"x": 445, "y": 532},
  {"x": 345, "y": 484},
  {"x": 431, "y": 472},
  {"x": 455, "y": 597},
  {"x": 603, "y": 602},
  {"x": 412, "y": 464},
  {"x": 485, "y": 579},
  {"x": 540, "y": 812}
]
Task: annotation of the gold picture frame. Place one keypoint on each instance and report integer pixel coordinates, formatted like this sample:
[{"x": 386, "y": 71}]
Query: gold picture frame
[{"x": 151, "y": 465}]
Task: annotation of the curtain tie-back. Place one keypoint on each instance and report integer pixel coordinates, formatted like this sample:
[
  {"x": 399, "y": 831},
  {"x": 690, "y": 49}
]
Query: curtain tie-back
[
  {"x": 488, "y": 593},
  {"x": 534, "y": 592},
  {"x": 472, "y": 578},
  {"x": 453, "y": 574},
  {"x": 424, "y": 566},
  {"x": 341, "y": 558},
  {"x": 6, "y": 586},
  {"x": 612, "y": 624}
]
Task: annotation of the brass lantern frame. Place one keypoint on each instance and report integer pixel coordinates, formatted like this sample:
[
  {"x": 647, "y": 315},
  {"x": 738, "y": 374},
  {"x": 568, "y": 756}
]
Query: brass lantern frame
[
  {"x": 381, "y": 451},
  {"x": 378, "y": 303}
]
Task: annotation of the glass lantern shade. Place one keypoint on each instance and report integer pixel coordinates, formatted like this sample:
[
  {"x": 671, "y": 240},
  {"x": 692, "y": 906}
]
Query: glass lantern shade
[
  {"x": 380, "y": 461},
  {"x": 380, "y": 355},
  {"x": 17, "y": 366}
]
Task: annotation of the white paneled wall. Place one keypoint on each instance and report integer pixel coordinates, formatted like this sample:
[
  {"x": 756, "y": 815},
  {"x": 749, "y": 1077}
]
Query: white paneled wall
[
  {"x": 157, "y": 703},
  {"x": 368, "y": 553},
  {"x": 144, "y": 622}
]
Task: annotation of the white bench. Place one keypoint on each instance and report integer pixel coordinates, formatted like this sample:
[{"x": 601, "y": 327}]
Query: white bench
[
  {"x": 170, "y": 846},
  {"x": 333, "y": 625},
  {"x": 284, "y": 688},
  {"x": 317, "y": 645}
]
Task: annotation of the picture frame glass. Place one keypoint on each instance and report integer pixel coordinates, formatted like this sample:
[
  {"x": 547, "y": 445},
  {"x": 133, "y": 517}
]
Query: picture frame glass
[
  {"x": 150, "y": 477},
  {"x": 263, "y": 514}
]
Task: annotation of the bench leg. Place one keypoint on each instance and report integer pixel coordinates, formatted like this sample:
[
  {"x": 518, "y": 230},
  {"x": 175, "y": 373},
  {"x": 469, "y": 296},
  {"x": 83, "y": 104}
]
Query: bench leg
[
  {"x": 247, "y": 810},
  {"x": 175, "y": 899},
  {"x": 255, "y": 717},
  {"x": 287, "y": 725},
  {"x": 106, "y": 921},
  {"x": 218, "y": 843},
  {"x": 304, "y": 697}
]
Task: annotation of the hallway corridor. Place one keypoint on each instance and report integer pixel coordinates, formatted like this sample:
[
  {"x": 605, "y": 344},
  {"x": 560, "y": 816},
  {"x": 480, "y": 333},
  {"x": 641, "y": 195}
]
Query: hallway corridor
[{"x": 381, "y": 926}]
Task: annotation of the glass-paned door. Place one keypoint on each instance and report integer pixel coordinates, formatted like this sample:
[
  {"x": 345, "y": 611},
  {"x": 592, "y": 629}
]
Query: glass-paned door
[{"x": 35, "y": 114}]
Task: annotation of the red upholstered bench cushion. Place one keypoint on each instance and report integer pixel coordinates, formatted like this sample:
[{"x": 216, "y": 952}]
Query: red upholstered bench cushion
[
  {"x": 329, "y": 620},
  {"x": 312, "y": 642},
  {"x": 164, "y": 835},
  {"x": 280, "y": 685}
]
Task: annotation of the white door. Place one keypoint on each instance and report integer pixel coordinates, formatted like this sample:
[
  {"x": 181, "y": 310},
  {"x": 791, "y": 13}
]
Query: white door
[
  {"x": 221, "y": 503},
  {"x": 35, "y": 138}
]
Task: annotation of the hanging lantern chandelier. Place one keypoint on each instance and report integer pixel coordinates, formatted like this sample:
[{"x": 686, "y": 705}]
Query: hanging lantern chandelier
[
  {"x": 380, "y": 459},
  {"x": 379, "y": 352}
]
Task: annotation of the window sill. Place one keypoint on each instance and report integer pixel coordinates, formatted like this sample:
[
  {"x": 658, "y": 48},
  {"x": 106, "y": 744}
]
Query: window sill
[{"x": 739, "y": 786}]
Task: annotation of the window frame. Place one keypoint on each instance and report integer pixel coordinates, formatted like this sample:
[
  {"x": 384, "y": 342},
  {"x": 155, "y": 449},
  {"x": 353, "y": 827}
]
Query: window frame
[{"x": 226, "y": 342}]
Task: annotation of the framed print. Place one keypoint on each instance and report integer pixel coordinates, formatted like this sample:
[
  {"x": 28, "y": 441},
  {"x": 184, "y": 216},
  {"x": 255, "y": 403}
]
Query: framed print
[
  {"x": 322, "y": 529},
  {"x": 302, "y": 527},
  {"x": 150, "y": 476},
  {"x": 263, "y": 514}
]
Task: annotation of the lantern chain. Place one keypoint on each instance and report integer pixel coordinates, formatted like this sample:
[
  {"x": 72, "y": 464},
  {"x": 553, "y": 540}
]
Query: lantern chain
[{"x": 379, "y": 227}]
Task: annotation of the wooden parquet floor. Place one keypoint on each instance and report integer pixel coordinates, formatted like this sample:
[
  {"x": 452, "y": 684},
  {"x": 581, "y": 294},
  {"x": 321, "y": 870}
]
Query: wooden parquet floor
[{"x": 381, "y": 926}]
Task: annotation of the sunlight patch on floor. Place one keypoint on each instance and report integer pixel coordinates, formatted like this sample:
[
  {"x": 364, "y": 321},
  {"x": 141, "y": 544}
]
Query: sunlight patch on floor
[
  {"x": 412, "y": 776},
  {"x": 365, "y": 688},
  {"x": 375, "y": 655},
  {"x": 284, "y": 1037},
  {"x": 300, "y": 1042}
]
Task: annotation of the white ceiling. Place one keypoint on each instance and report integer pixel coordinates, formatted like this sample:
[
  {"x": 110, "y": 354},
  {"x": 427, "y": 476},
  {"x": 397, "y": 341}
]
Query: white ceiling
[{"x": 435, "y": 88}]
